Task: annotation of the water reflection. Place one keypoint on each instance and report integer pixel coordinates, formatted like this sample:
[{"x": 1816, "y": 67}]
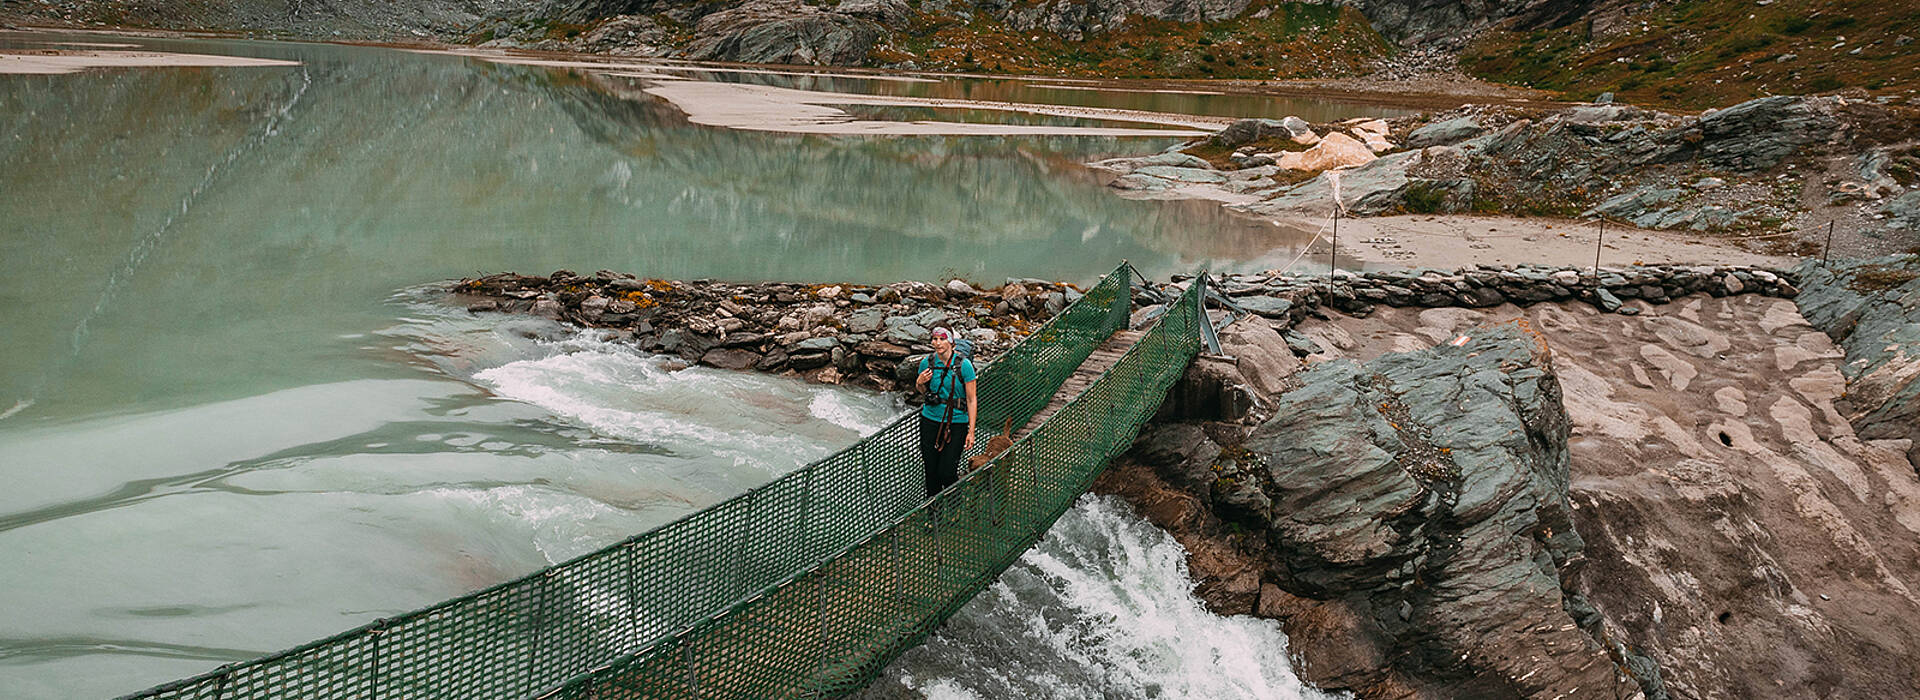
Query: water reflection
[{"x": 230, "y": 223}]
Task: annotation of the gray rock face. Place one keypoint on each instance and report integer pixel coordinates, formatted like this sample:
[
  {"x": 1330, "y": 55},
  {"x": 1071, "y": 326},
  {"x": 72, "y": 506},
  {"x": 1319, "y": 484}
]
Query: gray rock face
[
  {"x": 1247, "y": 131},
  {"x": 783, "y": 31},
  {"x": 1428, "y": 491},
  {"x": 1872, "y": 310},
  {"x": 1076, "y": 19},
  {"x": 1178, "y": 160},
  {"x": 1903, "y": 212},
  {"x": 1758, "y": 134},
  {"x": 1445, "y": 133},
  {"x": 891, "y": 13},
  {"x": 1453, "y": 23}
]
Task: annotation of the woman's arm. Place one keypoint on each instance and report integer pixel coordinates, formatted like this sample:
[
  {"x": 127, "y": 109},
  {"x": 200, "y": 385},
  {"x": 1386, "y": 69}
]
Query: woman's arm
[{"x": 972, "y": 412}]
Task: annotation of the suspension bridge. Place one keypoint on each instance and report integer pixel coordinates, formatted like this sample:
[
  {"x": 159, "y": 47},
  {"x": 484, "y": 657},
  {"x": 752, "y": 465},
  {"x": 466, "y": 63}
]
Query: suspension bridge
[{"x": 805, "y": 587}]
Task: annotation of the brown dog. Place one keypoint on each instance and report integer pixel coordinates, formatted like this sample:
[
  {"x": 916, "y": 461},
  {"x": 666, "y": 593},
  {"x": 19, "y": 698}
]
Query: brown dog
[{"x": 996, "y": 445}]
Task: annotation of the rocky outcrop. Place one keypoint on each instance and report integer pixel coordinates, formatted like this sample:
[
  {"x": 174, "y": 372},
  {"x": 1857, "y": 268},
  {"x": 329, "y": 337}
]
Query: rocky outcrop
[
  {"x": 1734, "y": 525},
  {"x": 1453, "y": 24},
  {"x": 1427, "y": 491},
  {"x": 1872, "y": 309},
  {"x": 784, "y": 31},
  {"x": 1075, "y": 19}
]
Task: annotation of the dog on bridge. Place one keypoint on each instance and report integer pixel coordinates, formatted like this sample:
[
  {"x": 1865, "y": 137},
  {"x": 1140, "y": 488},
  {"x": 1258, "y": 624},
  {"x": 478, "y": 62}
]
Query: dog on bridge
[{"x": 996, "y": 445}]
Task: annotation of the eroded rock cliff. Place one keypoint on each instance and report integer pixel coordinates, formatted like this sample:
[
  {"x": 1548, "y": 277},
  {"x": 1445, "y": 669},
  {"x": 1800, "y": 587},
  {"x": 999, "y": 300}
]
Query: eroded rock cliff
[{"x": 1735, "y": 536}]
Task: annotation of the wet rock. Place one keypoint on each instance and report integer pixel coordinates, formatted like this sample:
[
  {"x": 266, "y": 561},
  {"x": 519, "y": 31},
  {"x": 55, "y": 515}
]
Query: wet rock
[
  {"x": 730, "y": 358},
  {"x": 1176, "y": 174},
  {"x": 547, "y": 307},
  {"x": 809, "y": 360},
  {"x": 1140, "y": 183},
  {"x": 1181, "y": 452}
]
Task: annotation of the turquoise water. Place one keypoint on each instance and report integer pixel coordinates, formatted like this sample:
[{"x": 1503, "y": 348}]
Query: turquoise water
[{"x": 236, "y": 417}]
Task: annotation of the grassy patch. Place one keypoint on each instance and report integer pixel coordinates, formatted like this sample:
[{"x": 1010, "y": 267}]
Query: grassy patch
[
  {"x": 1880, "y": 278},
  {"x": 1291, "y": 40},
  {"x": 1709, "y": 53},
  {"x": 1423, "y": 199}
]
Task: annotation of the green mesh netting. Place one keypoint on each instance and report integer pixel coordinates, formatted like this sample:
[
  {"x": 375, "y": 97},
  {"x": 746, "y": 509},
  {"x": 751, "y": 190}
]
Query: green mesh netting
[{"x": 805, "y": 586}]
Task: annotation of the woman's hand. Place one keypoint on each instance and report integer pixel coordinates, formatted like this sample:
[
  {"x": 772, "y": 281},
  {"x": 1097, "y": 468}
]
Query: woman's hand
[{"x": 969, "y": 444}]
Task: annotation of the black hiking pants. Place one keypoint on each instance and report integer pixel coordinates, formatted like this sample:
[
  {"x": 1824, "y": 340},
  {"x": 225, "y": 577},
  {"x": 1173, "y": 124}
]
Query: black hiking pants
[{"x": 942, "y": 457}]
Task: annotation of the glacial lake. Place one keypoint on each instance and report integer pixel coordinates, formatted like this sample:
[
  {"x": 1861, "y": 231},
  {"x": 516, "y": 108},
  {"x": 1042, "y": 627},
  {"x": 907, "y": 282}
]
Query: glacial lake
[{"x": 234, "y": 416}]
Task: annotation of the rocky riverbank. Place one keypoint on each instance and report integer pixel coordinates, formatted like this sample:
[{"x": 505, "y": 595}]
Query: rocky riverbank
[
  {"x": 856, "y": 335},
  {"x": 1463, "y": 483},
  {"x": 1448, "y": 502}
]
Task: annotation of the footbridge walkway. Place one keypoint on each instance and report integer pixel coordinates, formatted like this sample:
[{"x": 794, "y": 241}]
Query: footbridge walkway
[{"x": 805, "y": 587}]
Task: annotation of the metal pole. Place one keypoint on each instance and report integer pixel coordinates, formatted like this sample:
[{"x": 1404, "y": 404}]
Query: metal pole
[
  {"x": 1334, "y": 253},
  {"x": 1597, "y": 240},
  {"x": 1827, "y": 250}
]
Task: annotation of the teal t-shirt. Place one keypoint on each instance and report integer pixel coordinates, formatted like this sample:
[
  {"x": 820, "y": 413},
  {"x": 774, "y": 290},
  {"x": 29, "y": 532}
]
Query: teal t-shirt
[{"x": 947, "y": 382}]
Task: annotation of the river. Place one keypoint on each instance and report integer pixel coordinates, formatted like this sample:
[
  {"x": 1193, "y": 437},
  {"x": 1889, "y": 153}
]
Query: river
[{"x": 234, "y": 415}]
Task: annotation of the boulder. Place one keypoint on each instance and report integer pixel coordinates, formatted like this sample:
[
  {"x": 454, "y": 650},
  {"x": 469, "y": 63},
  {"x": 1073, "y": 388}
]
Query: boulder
[
  {"x": 1247, "y": 131},
  {"x": 1298, "y": 131},
  {"x": 1259, "y": 353},
  {"x": 1445, "y": 133},
  {"x": 1427, "y": 492},
  {"x": 1336, "y": 150},
  {"x": 730, "y": 358}
]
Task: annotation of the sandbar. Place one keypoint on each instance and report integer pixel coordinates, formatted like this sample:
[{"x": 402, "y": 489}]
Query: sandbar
[
  {"x": 61, "y": 61},
  {"x": 784, "y": 110}
]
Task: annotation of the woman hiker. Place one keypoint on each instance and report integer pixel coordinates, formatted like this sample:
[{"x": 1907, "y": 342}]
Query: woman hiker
[{"x": 942, "y": 376}]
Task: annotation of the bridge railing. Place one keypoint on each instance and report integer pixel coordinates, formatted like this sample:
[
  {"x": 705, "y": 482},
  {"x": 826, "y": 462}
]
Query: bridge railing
[
  {"x": 532, "y": 634},
  {"x": 831, "y": 628}
]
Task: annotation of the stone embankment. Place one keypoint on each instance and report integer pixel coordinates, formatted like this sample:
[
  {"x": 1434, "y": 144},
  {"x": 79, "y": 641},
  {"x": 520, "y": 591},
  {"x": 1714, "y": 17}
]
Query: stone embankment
[
  {"x": 1287, "y": 299},
  {"x": 859, "y": 335},
  {"x": 870, "y": 335}
]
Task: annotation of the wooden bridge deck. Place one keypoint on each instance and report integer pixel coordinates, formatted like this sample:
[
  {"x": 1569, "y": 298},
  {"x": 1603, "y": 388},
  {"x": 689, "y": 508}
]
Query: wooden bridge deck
[{"x": 1102, "y": 359}]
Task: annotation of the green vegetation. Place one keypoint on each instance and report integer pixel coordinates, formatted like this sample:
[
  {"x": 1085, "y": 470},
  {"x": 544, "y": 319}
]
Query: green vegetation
[
  {"x": 1287, "y": 40},
  {"x": 1423, "y": 199},
  {"x": 1712, "y": 52}
]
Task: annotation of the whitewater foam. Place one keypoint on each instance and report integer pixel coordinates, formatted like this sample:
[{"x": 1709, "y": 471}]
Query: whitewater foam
[{"x": 1101, "y": 607}]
